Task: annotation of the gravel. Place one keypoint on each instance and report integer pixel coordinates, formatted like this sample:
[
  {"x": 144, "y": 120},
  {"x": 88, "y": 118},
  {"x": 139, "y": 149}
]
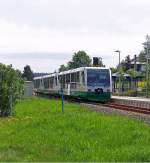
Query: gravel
[{"x": 101, "y": 108}]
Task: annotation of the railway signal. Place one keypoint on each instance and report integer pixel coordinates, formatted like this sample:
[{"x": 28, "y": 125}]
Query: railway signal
[{"x": 97, "y": 61}]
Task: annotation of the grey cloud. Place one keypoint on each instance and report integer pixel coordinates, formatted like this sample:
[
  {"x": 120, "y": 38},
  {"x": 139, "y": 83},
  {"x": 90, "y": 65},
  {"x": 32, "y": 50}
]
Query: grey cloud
[
  {"x": 114, "y": 15},
  {"x": 63, "y": 25},
  {"x": 37, "y": 55}
]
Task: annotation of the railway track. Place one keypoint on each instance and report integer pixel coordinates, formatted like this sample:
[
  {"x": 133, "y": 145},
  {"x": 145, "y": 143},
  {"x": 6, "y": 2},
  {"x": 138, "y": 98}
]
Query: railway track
[
  {"x": 128, "y": 108},
  {"x": 116, "y": 106}
]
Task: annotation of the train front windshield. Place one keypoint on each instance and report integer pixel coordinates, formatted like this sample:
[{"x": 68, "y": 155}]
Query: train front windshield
[{"x": 98, "y": 77}]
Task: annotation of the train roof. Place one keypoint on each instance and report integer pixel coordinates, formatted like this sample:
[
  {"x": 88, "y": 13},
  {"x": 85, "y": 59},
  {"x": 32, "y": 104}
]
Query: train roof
[{"x": 70, "y": 71}]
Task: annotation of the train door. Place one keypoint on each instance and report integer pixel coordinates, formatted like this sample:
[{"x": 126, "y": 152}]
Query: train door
[
  {"x": 41, "y": 84},
  {"x": 85, "y": 78},
  {"x": 82, "y": 80},
  {"x": 68, "y": 79}
]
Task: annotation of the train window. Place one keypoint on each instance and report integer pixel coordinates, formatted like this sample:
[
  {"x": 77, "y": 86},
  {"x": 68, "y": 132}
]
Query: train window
[
  {"x": 51, "y": 82},
  {"x": 37, "y": 83},
  {"x": 45, "y": 82},
  {"x": 83, "y": 78},
  {"x": 63, "y": 81},
  {"x": 98, "y": 78},
  {"x": 60, "y": 80},
  {"x": 73, "y": 77},
  {"x": 77, "y": 77},
  {"x": 48, "y": 82},
  {"x": 56, "y": 80},
  {"x": 67, "y": 78},
  {"x": 41, "y": 83}
]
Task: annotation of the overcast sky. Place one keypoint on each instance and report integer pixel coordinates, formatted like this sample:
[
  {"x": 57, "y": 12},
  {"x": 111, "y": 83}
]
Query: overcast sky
[{"x": 45, "y": 33}]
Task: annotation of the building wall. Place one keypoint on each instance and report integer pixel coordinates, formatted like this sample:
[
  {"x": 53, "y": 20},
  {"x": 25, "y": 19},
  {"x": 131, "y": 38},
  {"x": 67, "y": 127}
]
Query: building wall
[{"x": 28, "y": 88}]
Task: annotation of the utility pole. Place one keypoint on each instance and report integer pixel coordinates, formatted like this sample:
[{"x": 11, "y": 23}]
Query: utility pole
[
  {"x": 146, "y": 46},
  {"x": 118, "y": 51},
  {"x": 135, "y": 67}
]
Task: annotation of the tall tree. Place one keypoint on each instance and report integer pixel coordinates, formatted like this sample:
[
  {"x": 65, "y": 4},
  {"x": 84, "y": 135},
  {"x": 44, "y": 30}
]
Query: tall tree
[
  {"x": 27, "y": 73},
  {"x": 123, "y": 65},
  {"x": 127, "y": 62},
  {"x": 62, "y": 68},
  {"x": 143, "y": 53},
  {"x": 142, "y": 56},
  {"x": 79, "y": 59}
]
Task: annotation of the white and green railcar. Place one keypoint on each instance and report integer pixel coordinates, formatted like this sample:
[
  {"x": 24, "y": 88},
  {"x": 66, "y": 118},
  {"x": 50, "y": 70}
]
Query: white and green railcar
[{"x": 91, "y": 83}]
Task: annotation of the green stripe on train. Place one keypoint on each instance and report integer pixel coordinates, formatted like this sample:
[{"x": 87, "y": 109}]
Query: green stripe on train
[
  {"x": 92, "y": 95},
  {"x": 85, "y": 95}
]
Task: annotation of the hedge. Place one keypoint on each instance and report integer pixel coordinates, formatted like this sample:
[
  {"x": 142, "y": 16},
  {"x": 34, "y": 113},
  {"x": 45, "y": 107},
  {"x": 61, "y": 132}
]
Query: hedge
[{"x": 11, "y": 89}]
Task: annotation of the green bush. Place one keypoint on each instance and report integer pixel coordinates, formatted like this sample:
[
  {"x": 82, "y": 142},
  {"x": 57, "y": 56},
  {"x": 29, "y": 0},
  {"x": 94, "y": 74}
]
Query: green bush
[
  {"x": 131, "y": 93},
  {"x": 11, "y": 88}
]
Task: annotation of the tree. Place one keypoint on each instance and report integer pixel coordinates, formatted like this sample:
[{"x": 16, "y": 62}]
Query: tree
[
  {"x": 27, "y": 73},
  {"x": 123, "y": 65},
  {"x": 62, "y": 68},
  {"x": 79, "y": 59},
  {"x": 143, "y": 53},
  {"x": 127, "y": 62},
  {"x": 113, "y": 70},
  {"x": 142, "y": 56},
  {"x": 11, "y": 89}
]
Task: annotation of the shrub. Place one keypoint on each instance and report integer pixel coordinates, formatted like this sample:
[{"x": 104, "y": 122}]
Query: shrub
[
  {"x": 131, "y": 93},
  {"x": 11, "y": 88}
]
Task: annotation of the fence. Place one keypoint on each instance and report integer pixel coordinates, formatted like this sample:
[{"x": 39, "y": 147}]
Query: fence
[{"x": 132, "y": 89}]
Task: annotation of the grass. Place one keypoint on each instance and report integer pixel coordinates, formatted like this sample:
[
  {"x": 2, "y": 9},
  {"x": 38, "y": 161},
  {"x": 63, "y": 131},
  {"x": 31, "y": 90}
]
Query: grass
[{"x": 40, "y": 132}]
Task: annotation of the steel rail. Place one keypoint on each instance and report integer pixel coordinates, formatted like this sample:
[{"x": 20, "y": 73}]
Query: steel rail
[
  {"x": 115, "y": 106},
  {"x": 128, "y": 108}
]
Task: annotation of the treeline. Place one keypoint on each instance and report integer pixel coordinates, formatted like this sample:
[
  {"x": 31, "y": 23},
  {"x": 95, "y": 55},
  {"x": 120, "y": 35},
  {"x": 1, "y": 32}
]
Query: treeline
[{"x": 128, "y": 62}]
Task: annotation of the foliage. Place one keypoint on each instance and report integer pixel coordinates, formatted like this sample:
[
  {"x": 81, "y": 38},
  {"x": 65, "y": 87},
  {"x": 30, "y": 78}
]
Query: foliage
[
  {"x": 131, "y": 93},
  {"x": 79, "y": 59},
  {"x": 113, "y": 70},
  {"x": 39, "y": 132},
  {"x": 131, "y": 73},
  {"x": 142, "y": 56},
  {"x": 27, "y": 73},
  {"x": 126, "y": 64},
  {"x": 143, "y": 53},
  {"x": 62, "y": 68},
  {"x": 11, "y": 88},
  {"x": 121, "y": 73},
  {"x": 122, "y": 65}
]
